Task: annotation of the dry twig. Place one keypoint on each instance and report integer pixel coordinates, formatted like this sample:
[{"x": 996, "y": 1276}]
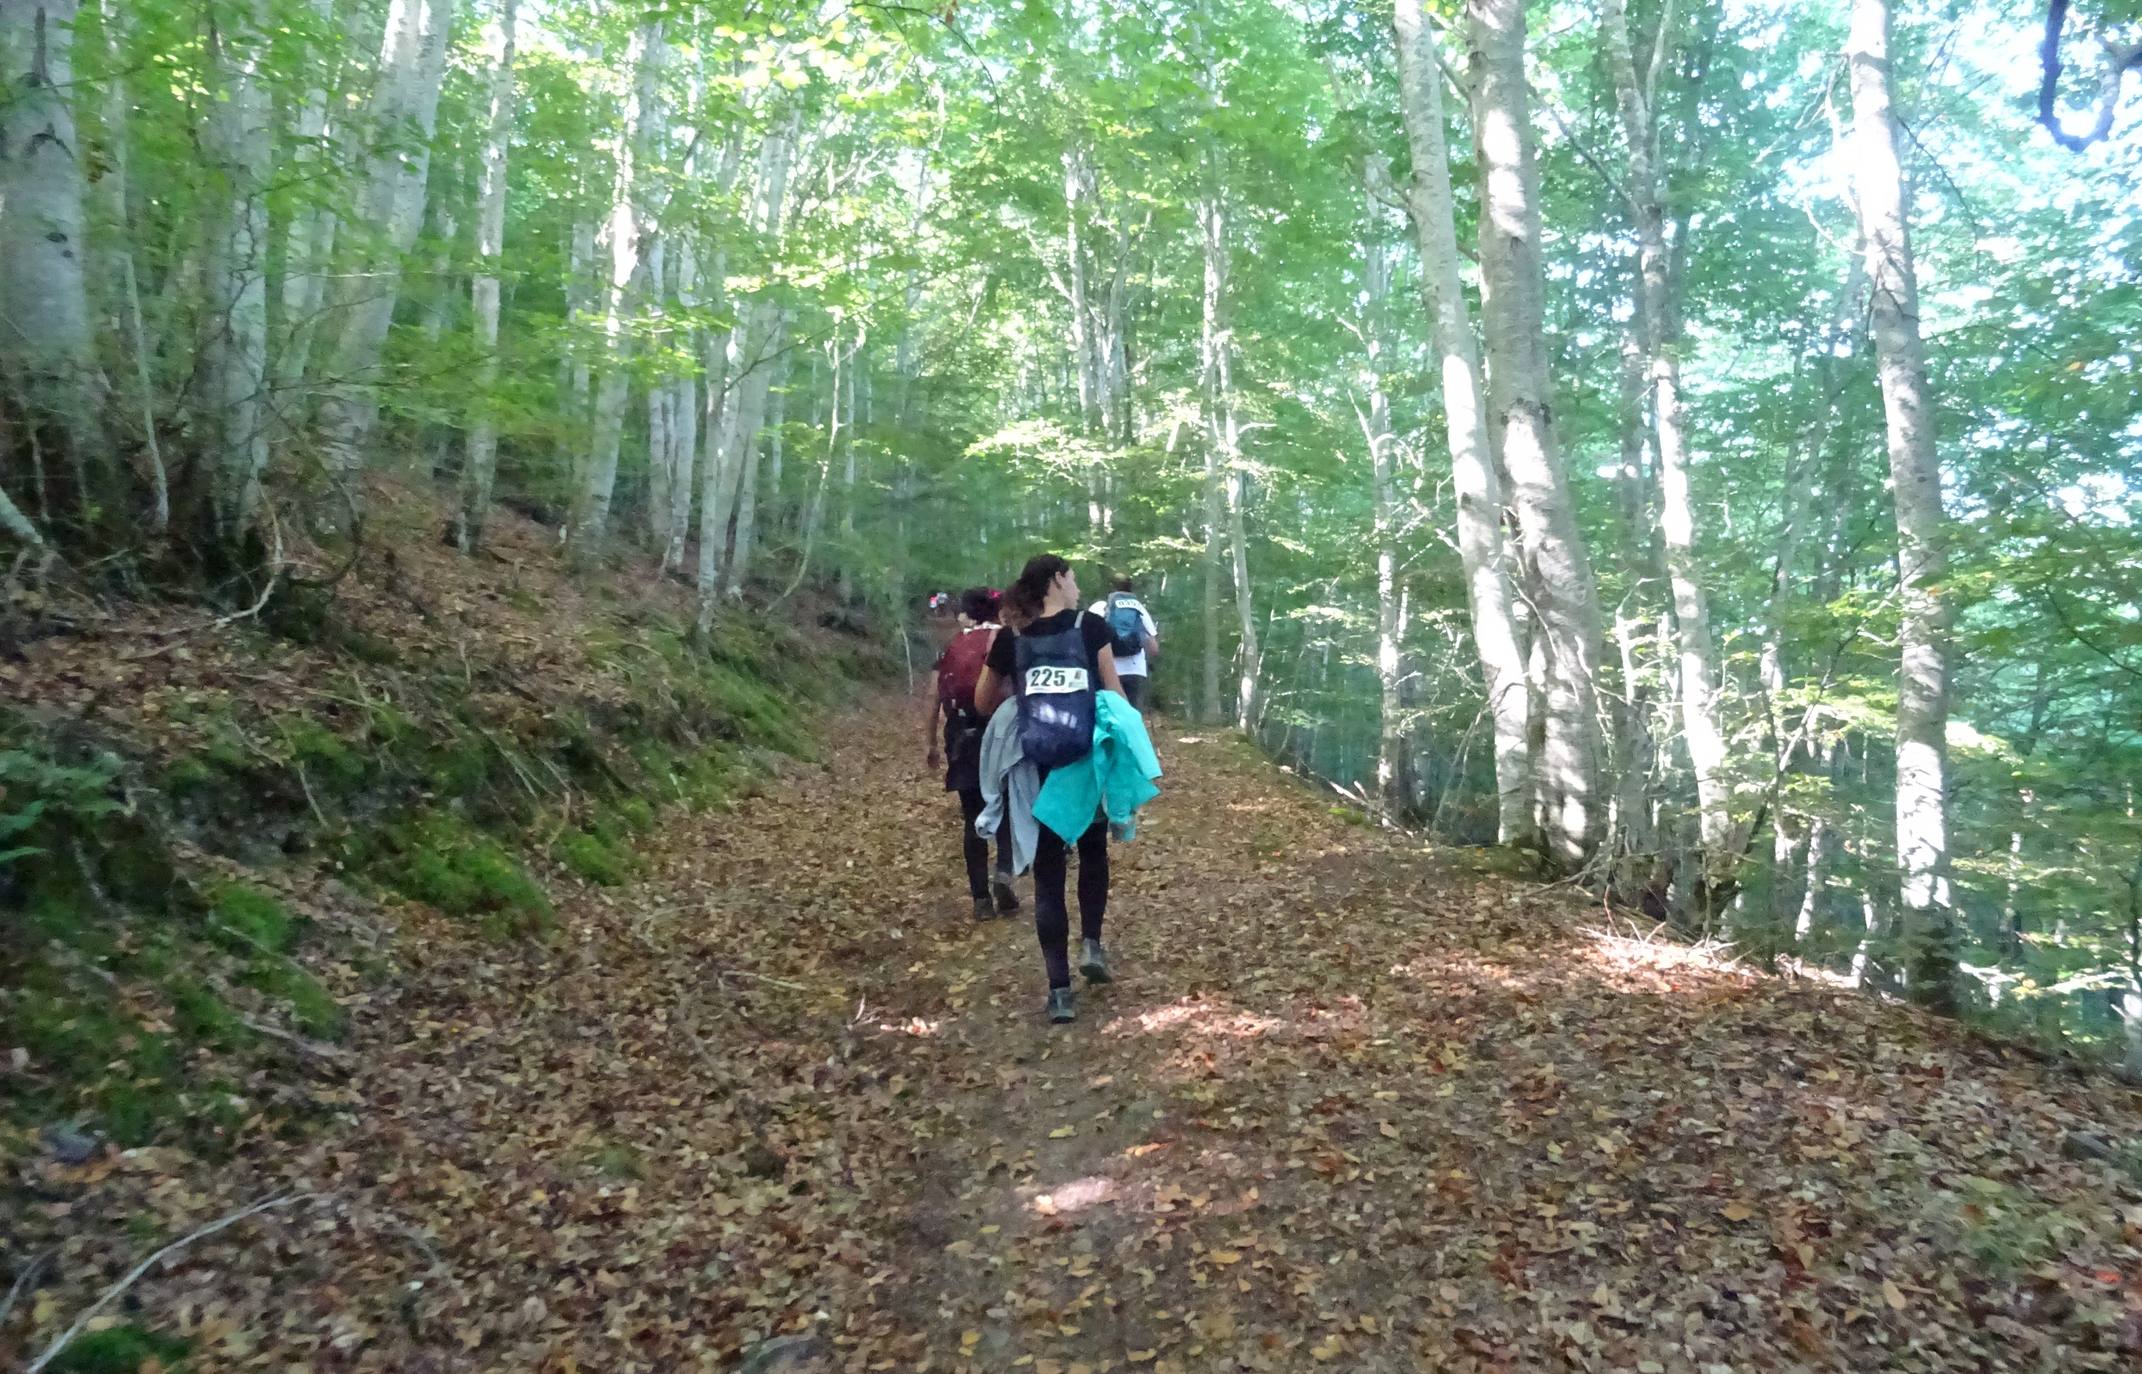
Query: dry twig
[{"x": 133, "y": 1275}]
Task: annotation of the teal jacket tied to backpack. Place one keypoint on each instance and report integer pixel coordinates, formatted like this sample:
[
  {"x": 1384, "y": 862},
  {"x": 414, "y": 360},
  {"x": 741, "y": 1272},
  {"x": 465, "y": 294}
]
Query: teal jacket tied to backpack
[{"x": 1116, "y": 777}]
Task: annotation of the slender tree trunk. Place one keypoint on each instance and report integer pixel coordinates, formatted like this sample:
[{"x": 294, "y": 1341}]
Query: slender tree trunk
[
  {"x": 579, "y": 309},
  {"x": 857, "y": 362},
  {"x": 714, "y": 357},
  {"x": 309, "y": 239},
  {"x": 47, "y": 357},
  {"x": 756, "y": 400},
  {"x": 750, "y": 347},
  {"x": 482, "y": 459},
  {"x": 1698, "y": 652},
  {"x": 591, "y": 517},
  {"x": 661, "y": 433},
  {"x": 403, "y": 116},
  {"x": 1077, "y": 296},
  {"x": 1250, "y": 660},
  {"x": 1884, "y": 206},
  {"x": 1481, "y": 549},
  {"x": 1212, "y": 221},
  {"x": 771, "y": 494},
  {"x": 1567, "y": 776},
  {"x": 1382, "y": 443},
  {"x": 684, "y": 433},
  {"x": 235, "y": 349},
  {"x": 124, "y": 287}
]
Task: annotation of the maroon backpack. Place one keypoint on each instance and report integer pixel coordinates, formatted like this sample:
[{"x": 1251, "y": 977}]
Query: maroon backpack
[{"x": 960, "y": 670}]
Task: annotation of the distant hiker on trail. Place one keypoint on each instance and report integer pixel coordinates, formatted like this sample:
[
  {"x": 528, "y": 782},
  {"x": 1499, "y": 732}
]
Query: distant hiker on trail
[
  {"x": 952, "y": 682},
  {"x": 1076, "y": 729},
  {"x": 1136, "y": 639}
]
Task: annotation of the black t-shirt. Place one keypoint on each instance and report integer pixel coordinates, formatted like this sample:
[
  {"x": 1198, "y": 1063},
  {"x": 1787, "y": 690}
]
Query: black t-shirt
[{"x": 1004, "y": 654}]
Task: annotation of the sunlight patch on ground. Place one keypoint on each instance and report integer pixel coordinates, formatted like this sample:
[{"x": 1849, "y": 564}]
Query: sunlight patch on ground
[
  {"x": 1194, "y": 1014},
  {"x": 1446, "y": 969},
  {"x": 1067, "y": 1199},
  {"x": 1624, "y": 952},
  {"x": 914, "y": 1025}
]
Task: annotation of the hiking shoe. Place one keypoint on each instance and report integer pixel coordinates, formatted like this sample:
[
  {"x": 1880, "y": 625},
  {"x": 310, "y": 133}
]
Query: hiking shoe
[
  {"x": 1063, "y": 1005},
  {"x": 1007, "y": 900},
  {"x": 1093, "y": 963},
  {"x": 983, "y": 911}
]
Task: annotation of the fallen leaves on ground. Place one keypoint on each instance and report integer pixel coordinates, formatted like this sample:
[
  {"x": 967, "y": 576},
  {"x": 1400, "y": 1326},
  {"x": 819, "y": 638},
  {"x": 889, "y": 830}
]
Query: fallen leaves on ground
[{"x": 1352, "y": 1104}]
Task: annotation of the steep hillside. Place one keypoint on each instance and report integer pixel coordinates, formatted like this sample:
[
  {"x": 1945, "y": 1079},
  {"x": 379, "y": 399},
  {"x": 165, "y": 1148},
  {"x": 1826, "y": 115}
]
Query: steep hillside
[{"x": 219, "y": 828}]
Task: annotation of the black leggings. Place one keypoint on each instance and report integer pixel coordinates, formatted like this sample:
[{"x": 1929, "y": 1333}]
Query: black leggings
[
  {"x": 976, "y": 849},
  {"x": 1052, "y": 923}
]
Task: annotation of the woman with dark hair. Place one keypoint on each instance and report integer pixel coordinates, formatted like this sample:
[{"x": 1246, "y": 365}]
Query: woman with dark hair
[
  {"x": 952, "y": 685},
  {"x": 1053, "y": 661}
]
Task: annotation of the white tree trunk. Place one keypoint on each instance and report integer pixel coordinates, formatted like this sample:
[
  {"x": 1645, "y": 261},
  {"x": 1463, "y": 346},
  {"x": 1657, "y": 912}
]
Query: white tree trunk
[
  {"x": 744, "y": 370},
  {"x": 235, "y": 348},
  {"x": 1250, "y": 659},
  {"x": 1567, "y": 774},
  {"x": 714, "y": 356},
  {"x": 482, "y": 458},
  {"x": 1077, "y": 184},
  {"x": 1698, "y": 652},
  {"x": 579, "y": 310},
  {"x": 1382, "y": 447},
  {"x": 776, "y": 440},
  {"x": 683, "y": 416},
  {"x": 1481, "y": 549},
  {"x": 402, "y": 119},
  {"x": 124, "y": 288},
  {"x": 1213, "y": 226},
  {"x": 591, "y": 515},
  {"x": 1884, "y": 205},
  {"x": 46, "y": 354},
  {"x": 309, "y": 239},
  {"x": 661, "y": 432},
  {"x": 756, "y": 398}
]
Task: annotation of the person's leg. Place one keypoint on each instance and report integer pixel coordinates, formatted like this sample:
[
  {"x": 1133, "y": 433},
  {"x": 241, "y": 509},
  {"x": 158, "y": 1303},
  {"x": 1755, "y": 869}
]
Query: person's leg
[
  {"x": 1134, "y": 690},
  {"x": 1052, "y": 923},
  {"x": 973, "y": 847},
  {"x": 1000, "y": 882},
  {"x": 1092, "y": 880},
  {"x": 1093, "y": 902}
]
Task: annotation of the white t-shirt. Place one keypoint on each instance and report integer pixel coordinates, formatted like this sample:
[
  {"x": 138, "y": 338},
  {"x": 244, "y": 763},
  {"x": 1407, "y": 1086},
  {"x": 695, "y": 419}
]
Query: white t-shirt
[{"x": 1133, "y": 666}]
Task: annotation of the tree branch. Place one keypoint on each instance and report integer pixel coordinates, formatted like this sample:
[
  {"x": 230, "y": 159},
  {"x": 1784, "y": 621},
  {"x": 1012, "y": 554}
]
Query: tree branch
[{"x": 2118, "y": 62}]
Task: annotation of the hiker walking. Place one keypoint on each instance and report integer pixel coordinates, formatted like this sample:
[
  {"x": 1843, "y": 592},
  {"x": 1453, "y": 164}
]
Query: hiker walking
[
  {"x": 1058, "y": 664},
  {"x": 1135, "y": 639},
  {"x": 956, "y": 745}
]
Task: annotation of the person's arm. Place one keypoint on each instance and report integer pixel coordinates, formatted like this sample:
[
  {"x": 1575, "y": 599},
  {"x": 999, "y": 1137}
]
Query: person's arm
[
  {"x": 1110, "y": 680},
  {"x": 929, "y": 726},
  {"x": 1152, "y": 642},
  {"x": 989, "y": 692}
]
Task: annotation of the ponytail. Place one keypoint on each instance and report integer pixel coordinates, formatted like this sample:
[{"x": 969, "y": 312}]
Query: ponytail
[{"x": 1024, "y": 598}]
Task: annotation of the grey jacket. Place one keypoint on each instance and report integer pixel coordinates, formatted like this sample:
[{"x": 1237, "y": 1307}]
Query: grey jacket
[{"x": 1009, "y": 785}]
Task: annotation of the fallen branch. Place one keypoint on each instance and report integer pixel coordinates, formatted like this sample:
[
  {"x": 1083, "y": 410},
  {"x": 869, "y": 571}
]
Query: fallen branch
[
  {"x": 302, "y": 1044},
  {"x": 760, "y": 977},
  {"x": 66, "y": 1337},
  {"x": 24, "y": 1281}
]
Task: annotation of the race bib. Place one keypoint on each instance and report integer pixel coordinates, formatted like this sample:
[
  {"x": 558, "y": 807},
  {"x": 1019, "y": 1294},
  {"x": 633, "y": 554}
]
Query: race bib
[{"x": 1045, "y": 680}]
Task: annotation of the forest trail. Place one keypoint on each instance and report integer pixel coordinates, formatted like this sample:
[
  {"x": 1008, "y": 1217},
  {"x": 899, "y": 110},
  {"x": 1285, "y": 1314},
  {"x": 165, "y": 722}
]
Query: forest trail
[{"x": 1351, "y": 1105}]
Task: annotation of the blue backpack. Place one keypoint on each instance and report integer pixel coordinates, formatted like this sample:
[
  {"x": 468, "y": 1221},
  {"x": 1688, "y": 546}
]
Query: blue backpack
[
  {"x": 1126, "y": 621},
  {"x": 1056, "y": 706}
]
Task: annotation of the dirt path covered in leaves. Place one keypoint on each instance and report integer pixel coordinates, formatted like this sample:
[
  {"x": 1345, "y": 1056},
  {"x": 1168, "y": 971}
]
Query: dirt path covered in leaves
[{"x": 1352, "y": 1105}]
